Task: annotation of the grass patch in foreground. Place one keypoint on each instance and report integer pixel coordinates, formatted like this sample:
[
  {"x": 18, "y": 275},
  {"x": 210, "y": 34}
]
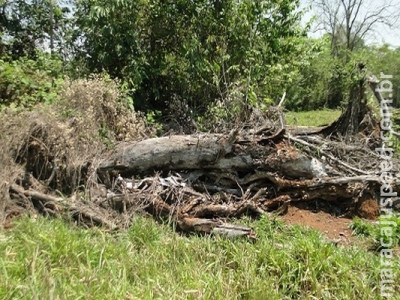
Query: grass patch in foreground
[
  {"x": 312, "y": 118},
  {"x": 47, "y": 258},
  {"x": 373, "y": 233}
]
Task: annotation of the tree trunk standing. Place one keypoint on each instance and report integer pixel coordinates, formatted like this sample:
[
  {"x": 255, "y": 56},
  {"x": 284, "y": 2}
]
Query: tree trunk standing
[
  {"x": 357, "y": 116},
  {"x": 51, "y": 33}
]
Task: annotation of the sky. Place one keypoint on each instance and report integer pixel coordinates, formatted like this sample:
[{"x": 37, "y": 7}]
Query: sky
[{"x": 382, "y": 34}]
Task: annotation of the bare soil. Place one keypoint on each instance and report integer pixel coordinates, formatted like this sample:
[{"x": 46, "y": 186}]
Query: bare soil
[
  {"x": 331, "y": 222},
  {"x": 333, "y": 227}
]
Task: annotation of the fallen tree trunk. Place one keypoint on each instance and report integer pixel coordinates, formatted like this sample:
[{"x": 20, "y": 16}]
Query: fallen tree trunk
[
  {"x": 175, "y": 153},
  {"x": 210, "y": 152},
  {"x": 199, "y": 180},
  {"x": 245, "y": 172}
]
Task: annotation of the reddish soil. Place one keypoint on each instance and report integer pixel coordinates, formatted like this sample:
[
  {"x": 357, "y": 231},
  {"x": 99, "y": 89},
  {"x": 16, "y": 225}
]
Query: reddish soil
[{"x": 335, "y": 228}]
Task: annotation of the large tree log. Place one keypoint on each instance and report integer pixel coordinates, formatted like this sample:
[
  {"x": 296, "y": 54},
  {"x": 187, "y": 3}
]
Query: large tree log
[
  {"x": 175, "y": 153},
  {"x": 211, "y": 151},
  {"x": 252, "y": 173}
]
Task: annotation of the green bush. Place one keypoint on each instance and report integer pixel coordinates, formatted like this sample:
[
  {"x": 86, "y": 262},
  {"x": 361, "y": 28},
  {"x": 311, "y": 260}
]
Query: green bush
[{"x": 26, "y": 82}]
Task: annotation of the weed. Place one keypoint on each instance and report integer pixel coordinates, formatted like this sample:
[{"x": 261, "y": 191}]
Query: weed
[{"x": 375, "y": 231}]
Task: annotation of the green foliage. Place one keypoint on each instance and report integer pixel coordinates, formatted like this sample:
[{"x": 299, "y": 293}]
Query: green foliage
[
  {"x": 27, "y": 25},
  {"x": 362, "y": 227},
  {"x": 322, "y": 79},
  {"x": 151, "y": 119},
  {"x": 47, "y": 258},
  {"x": 325, "y": 80},
  {"x": 309, "y": 89},
  {"x": 199, "y": 51},
  {"x": 26, "y": 82},
  {"x": 396, "y": 127},
  {"x": 392, "y": 236},
  {"x": 383, "y": 59},
  {"x": 111, "y": 37},
  {"x": 218, "y": 57}
]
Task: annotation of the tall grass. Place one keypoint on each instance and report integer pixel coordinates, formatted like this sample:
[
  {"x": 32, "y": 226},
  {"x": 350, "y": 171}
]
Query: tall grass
[{"x": 49, "y": 259}]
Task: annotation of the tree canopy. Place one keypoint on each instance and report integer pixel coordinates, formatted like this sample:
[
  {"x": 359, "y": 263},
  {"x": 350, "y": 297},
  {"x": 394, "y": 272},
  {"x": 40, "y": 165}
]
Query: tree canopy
[
  {"x": 193, "y": 50},
  {"x": 197, "y": 58},
  {"x": 29, "y": 25}
]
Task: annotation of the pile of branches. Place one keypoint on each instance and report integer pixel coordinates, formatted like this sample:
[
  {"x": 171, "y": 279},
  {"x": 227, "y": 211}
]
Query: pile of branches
[{"x": 201, "y": 181}]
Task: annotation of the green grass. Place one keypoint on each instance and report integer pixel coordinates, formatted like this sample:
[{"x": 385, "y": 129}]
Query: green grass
[
  {"x": 373, "y": 233},
  {"x": 312, "y": 118},
  {"x": 49, "y": 259}
]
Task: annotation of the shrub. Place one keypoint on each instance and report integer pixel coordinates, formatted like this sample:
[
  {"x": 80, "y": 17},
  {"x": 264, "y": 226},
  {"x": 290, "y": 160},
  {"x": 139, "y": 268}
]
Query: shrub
[
  {"x": 61, "y": 143},
  {"x": 26, "y": 82},
  {"x": 102, "y": 104}
]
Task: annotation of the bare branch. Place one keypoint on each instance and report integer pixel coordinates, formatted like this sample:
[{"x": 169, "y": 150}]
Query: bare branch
[{"x": 351, "y": 20}]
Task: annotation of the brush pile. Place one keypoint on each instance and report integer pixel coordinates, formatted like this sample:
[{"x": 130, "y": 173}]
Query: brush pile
[{"x": 54, "y": 163}]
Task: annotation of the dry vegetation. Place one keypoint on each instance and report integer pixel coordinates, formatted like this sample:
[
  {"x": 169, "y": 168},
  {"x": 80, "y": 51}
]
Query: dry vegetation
[{"x": 57, "y": 148}]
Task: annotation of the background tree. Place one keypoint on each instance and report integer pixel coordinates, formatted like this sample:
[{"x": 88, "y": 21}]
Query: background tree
[
  {"x": 350, "y": 21},
  {"x": 383, "y": 58},
  {"x": 196, "y": 52},
  {"x": 29, "y": 25}
]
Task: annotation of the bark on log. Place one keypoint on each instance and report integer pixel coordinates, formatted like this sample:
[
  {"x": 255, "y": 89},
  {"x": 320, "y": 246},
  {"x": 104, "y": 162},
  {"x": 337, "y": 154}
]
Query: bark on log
[
  {"x": 174, "y": 152},
  {"x": 215, "y": 227},
  {"x": 208, "y": 152}
]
